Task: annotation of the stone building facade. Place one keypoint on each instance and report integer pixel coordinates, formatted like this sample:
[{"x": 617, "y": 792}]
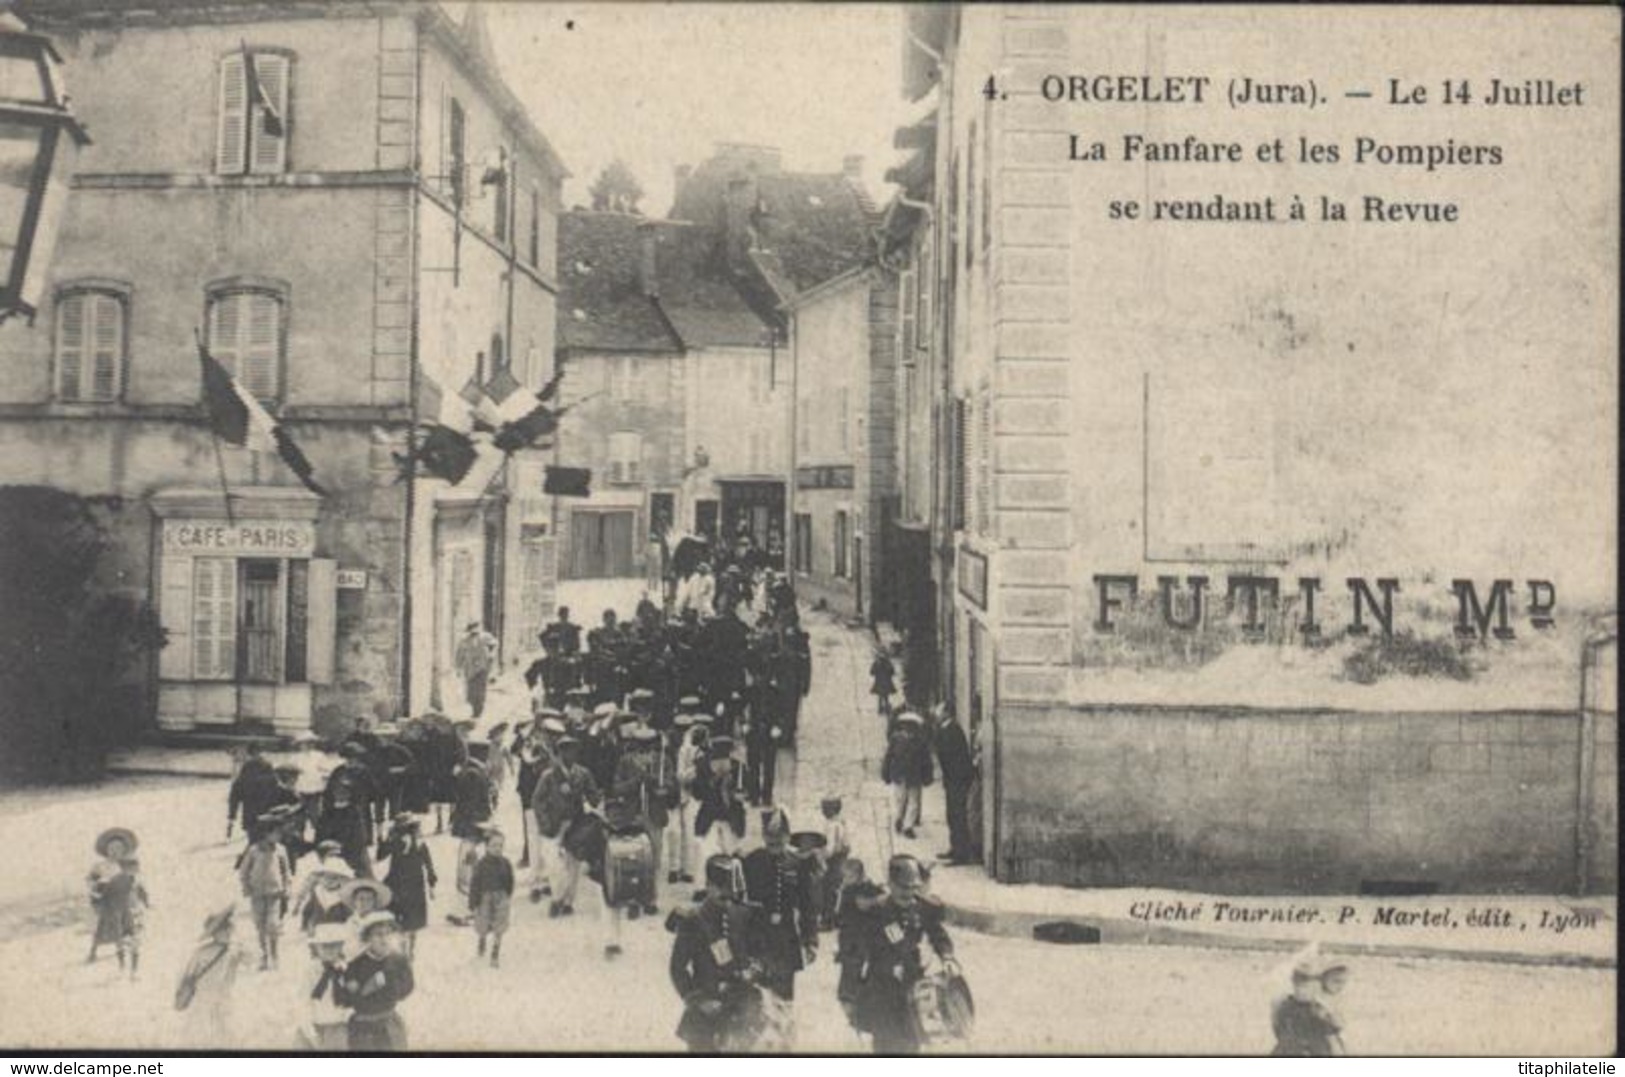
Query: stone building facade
[
  {"x": 1151, "y": 453},
  {"x": 844, "y": 341},
  {"x": 333, "y": 263}
]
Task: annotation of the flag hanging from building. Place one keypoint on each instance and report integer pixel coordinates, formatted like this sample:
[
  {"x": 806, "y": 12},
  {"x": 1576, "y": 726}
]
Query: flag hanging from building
[
  {"x": 443, "y": 453},
  {"x": 270, "y": 117},
  {"x": 237, "y": 418},
  {"x": 522, "y": 433}
]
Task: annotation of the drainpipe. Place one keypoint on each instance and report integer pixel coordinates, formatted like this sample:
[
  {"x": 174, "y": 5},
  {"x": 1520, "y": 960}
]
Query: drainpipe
[
  {"x": 414, "y": 376},
  {"x": 1585, "y": 785}
]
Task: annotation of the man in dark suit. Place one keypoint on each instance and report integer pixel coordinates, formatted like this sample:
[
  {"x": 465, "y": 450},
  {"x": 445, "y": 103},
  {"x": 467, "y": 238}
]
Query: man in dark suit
[{"x": 958, "y": 772}]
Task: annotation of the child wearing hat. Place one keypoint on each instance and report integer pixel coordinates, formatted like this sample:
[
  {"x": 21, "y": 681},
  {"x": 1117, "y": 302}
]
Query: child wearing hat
[
  {"x": 112, "y": 848},
  {"x": 490, "y": 895},
  {"x": 374, "y": 982},
  {"x": 325, "y": 1027},
  {"x": 124, "y": 901},
  {"x": 266, "y": 878},
  {"x": 363, "y": 897},
  {"x": 410, "y": 877},
  {"x": 321, "y": 895}
]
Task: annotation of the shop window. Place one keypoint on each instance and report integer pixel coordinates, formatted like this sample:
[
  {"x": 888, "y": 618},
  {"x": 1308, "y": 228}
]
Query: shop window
[
  {"x": 90, "y": 343},
  {"x": 246, "y": 334},
  {"x": 254, "y": 125}
]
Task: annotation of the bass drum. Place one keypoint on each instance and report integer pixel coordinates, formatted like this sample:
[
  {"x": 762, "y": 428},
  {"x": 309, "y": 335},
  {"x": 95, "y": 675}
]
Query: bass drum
[{"x": 584, "y": 839}]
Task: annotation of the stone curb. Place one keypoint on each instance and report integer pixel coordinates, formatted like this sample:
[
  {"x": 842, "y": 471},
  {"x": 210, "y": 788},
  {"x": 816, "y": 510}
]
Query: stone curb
[{"x": 1118, "y": 931}]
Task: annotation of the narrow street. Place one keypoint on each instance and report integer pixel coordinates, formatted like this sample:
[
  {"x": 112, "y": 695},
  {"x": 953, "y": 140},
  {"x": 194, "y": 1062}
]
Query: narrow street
[{"x": 556, "y": 991}]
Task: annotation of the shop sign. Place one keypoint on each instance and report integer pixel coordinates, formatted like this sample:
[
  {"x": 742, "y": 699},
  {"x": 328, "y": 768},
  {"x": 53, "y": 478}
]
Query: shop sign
[
  {"x": 351, "y": 579},
  {"x": 271, "y": 538}
]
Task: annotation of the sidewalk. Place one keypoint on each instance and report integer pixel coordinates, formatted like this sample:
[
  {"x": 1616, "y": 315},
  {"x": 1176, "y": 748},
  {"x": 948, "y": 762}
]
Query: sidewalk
[{"x": 843, "y": 742}]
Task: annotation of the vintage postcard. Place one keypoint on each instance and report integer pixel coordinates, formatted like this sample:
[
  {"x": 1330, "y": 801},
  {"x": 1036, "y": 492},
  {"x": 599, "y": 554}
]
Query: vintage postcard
[{"x": 751, "y": 528}]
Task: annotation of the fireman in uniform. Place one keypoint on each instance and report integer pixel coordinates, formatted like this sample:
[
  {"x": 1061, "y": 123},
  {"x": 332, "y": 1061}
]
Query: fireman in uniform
[
  {"x": 780, "y": 884},
  {"x": 712, "y": 961},
  {"x": 891, "y": 959}
]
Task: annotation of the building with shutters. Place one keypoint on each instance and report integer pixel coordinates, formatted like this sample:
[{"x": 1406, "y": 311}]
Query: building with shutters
[
  {"x": 844, "y": 342},
  {"x": 348, "y": 205},
  {"x": 677, "y": 389},
  {"x": 1262, "y": 568}
]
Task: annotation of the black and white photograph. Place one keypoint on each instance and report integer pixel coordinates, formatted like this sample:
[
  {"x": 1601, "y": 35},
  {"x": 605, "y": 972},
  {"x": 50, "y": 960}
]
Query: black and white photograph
[{"x": 840, "y": 529}]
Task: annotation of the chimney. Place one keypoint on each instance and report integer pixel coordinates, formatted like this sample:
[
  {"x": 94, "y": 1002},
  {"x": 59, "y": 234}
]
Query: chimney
[
  {"x": 738, "y": 231},
  {"x": 649, "y": 258},
  {"x": 852, "y": 167}
]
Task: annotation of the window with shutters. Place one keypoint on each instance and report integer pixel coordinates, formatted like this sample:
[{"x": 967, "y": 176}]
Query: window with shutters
[
  {"x": 456, "y": 153},
  {"x": 91, "y": 326},
  {"x": 535, "y": 227},
  {"x": 970, "y": 197},
  {"x": 626, "y": 457},
  {"x": 960, "y": 425},
  {"x": 840, "y": 538},
  {"x": 246, "y": 334},
  {"x": 214, "y": 618},
  {"x": 925, "y": 282},
  {"x": 907, "y": 286},
  {"x": 620, "y": 375},
  {"x": 804, "y": 542},
  {"x": 499, "y": 199},
  {"x": 982, "y": 473},
  {"x": 254, "y": 123}
]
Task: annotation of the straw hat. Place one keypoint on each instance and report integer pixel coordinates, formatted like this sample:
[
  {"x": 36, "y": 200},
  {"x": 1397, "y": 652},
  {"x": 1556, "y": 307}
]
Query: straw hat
[
  {"x": 355, "y": 886},
  {"x": 116, "y": 833}
]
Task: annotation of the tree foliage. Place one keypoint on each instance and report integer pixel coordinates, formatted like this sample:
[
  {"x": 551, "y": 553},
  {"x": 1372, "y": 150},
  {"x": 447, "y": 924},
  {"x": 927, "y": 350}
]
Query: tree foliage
[
  {"x": 67, "y": 642},
  {"x": 616, "y": 189}
]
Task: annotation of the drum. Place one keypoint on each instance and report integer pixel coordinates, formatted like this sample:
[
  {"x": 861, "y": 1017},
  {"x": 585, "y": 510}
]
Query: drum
[{"x": 629, "y": 870}]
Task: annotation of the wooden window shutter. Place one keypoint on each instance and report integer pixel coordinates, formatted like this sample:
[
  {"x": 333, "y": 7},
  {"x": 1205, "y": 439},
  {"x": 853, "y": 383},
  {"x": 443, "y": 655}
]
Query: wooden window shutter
[
  {"x": 322, "y": 622},
  {"x": 231, "y": 143},
  {"x": 961, "y": 458},
  {"x": 175, "y": 616},
  {"x": 214, "y": 618},
  {"x": 245, "y": 335},
  {"x": 261, "y": 355},
  {"x": 225, "y": 320},
  {"x": 984, "y": 462},
  {"x": 71, "y": 345},
  {"x": 107, "y": 345},
  {"x": 269, "y": 151},
  {"x": 907, "y": 283}
]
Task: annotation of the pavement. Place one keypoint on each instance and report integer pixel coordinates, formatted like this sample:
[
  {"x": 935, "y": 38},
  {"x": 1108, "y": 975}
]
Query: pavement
[
  {"x": 1149, "y": 987},
  {"x": 843, "y": 741}
]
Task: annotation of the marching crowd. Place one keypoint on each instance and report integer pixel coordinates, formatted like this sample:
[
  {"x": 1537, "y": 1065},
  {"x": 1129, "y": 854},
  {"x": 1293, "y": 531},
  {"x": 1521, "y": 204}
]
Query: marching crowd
[{"x": 647, "y": 746}]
